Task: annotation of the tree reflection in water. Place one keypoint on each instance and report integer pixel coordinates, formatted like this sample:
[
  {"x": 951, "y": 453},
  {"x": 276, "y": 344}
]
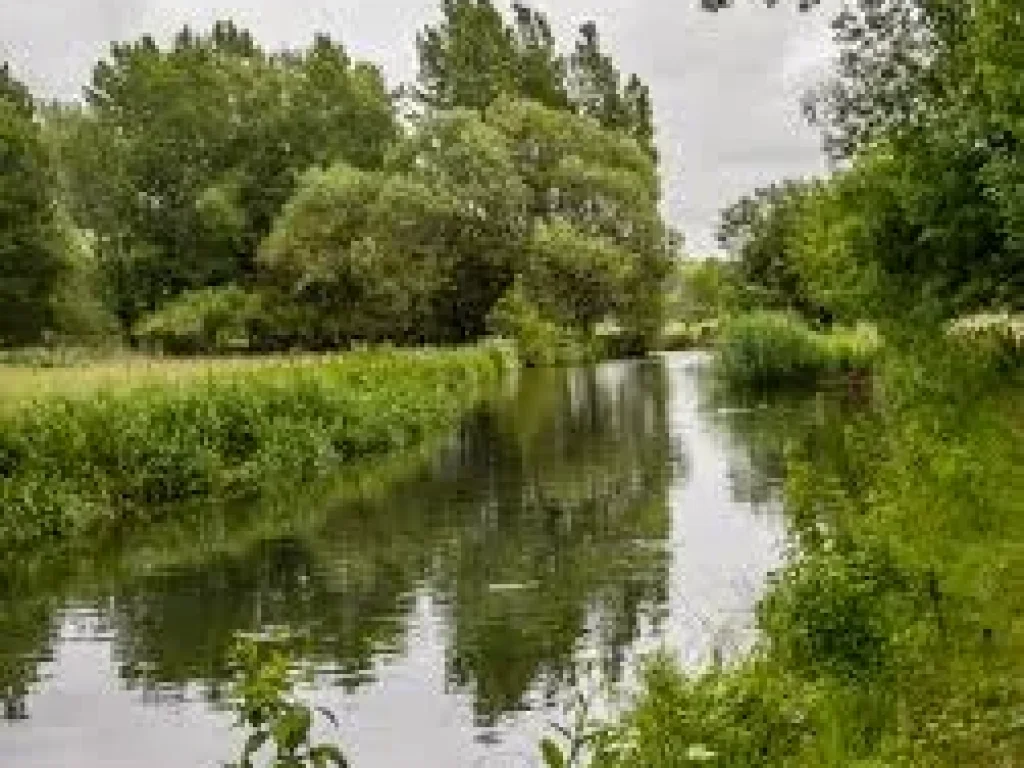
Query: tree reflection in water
[{"x": 538, "y": 529}]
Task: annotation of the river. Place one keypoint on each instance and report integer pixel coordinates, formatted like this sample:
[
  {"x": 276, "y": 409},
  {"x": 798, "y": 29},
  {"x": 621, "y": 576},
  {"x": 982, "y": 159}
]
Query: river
[{"x": 579, "y": 521}]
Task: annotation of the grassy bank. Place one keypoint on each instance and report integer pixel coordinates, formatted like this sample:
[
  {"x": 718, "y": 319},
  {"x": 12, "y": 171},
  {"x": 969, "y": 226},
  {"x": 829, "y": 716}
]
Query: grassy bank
[
  {"x": 776, "y": 348},
  {"x": 114, "y": 446},
  {"x": 895, "y": 636}
]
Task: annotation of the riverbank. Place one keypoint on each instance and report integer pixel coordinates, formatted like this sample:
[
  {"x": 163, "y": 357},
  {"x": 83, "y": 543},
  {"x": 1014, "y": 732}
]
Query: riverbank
[
  {"x": 111, "y": 447},
  {"x": 894, "y": 637}
]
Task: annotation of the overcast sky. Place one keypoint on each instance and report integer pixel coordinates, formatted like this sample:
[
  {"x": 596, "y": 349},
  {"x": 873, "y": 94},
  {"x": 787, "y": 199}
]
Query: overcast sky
[{"x": 726, "y": 86}]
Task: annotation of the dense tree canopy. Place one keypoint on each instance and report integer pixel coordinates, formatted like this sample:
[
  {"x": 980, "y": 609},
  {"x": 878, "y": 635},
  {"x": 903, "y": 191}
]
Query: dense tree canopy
[
  {"x": 758, "y": 230},
  {"x": 192, "y": 150},
  {"x": 218, "y": 184},
  {"x": 14, "y": 91},
  {"x": 468, "y": 205}
]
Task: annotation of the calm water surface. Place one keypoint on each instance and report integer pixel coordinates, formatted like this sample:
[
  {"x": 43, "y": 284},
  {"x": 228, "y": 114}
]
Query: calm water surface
[{"x": 579, "y": 521}]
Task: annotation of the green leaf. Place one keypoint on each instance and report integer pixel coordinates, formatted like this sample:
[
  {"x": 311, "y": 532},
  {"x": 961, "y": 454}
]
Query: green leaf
[
  {"x": 553, "y": 757},
  {"x": 253, "y": 744},
  {"x": 327, "y": 754}
]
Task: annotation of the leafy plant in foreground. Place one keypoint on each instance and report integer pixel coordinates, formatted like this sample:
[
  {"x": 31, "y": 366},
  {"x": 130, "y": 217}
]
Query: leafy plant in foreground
[{"x": 266, "y": 706}]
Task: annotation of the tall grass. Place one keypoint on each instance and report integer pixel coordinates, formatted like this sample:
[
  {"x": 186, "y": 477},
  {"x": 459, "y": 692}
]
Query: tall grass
[
  {"x": 26, "y": 379},
  {"x": 774, "y": 348},
  {"x": 120, "y": 453}
]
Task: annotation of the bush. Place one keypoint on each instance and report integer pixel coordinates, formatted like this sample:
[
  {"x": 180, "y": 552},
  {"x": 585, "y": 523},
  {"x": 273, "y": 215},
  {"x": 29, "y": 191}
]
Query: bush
[
  {"x": 833, "y": 611},
  {"x": 540, "y": 342},
  {"x": 726, "y": 717},
  {"x": 201, "y": 322}
]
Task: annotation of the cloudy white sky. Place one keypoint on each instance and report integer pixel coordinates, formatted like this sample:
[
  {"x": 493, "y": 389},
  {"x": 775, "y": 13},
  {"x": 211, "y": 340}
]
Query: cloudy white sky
[{"x": 726, "y": 86}]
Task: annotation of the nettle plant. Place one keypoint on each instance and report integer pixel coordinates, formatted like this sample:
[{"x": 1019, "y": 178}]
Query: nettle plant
[{"x": 279, "y": 725}]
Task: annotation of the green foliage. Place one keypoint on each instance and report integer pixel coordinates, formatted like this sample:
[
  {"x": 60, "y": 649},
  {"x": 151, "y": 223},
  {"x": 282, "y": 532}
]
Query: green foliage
[
  {"x": 207, "y": 139},
  {"x": 584, "y": 737},
  {"x": 210, "y": 162},
  {"x": 774, "y": 348},
  {"x": 15, "y": 92},
  {"x": 575, "y": 278},
  {"x": 419, "y": 253},
  {"x": 832, "y": 611},
  {"x": 758, "y": 231},
  {"x": 465, "y": 205},
  {"x": 474, "y": 57},
  {"x": 925, "y": 104},
  {"x": 923, "y": 107},
  {"x": 733, "y": 717},
  {"x": 205, "y": 321},
  {"x": 907, "y": 228},
  {"x": 540, "y": 341},
  {"x": 80, "y": 315},
  {"x": 266, "y": 707},
  {"x": 117, "y": 457},
  {"x": 475, "y": 221},
  {"x": 31, "y": 262},
  {"x": 322, "y": 256},
  {"x": 596, "y": 89},
  {"x": 602, "y": 184},
  {"x": 470, "y": 58},
  {"x": 702, "y": 290}
]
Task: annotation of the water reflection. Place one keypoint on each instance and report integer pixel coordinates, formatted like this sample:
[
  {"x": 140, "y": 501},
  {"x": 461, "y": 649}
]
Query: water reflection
[{"x": 598, "y": 511}]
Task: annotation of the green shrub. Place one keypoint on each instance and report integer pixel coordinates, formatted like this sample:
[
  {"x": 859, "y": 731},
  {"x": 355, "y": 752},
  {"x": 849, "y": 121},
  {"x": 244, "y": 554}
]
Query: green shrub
[
  {"x": 201, "y": 322},
  {"x": 279, "y": 725},
  {"x": 539, "y": 341},
  {"x": 739, "y": 716},
  {"x": 833, "y": 611}
]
